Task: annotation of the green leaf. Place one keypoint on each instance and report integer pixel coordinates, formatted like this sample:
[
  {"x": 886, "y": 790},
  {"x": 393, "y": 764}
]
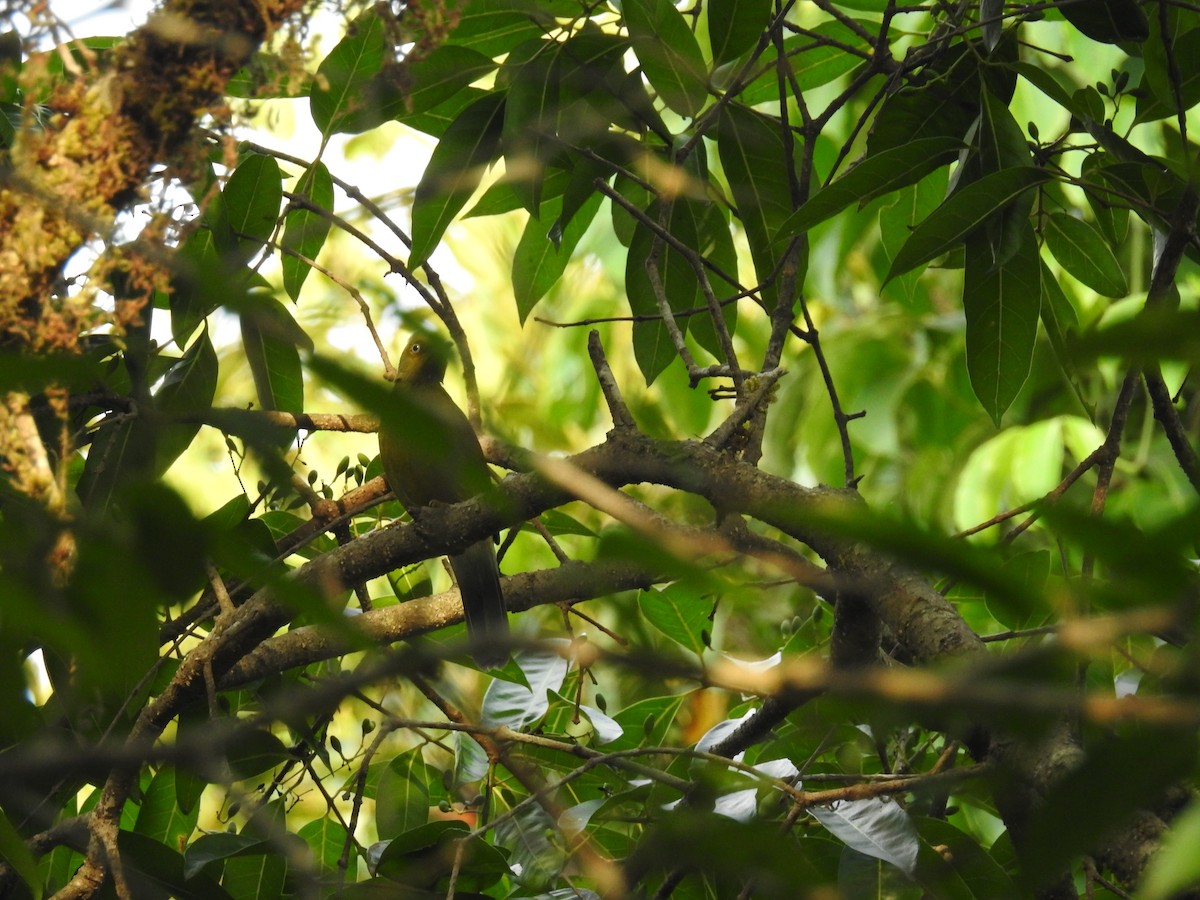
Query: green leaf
[
  {"x": 1062, "y": 325},
  {"x": 815, "y": 60},
  {"x": 715, "y": 244},
  {"x": 669, "y": 54},
  {"x": 873, "y": 177},
  {"x": 427, "y": 857},
  {"x": 16, "y": 854},
  {"x": 1002, "y": 143},
  {"x": 1001, "y": 305},
  {"x": 964, "y": 212},
  {"x": 153, "y": 867},
  {"x": 734, "y": 26},
  {"x": 188, "y": 387},
  {"x": 679, "y": 614},
  {"x": 270, "y": 337},
  {"x": 943, "y": 107},
  {"x": 250, "y": 202},
  {"x": 470, "y": 144},
  {"x": 495, "y": 27},
  {"x": 652, "y": 345},
  {"x": 434, "y": 79},
  {"x": 256, "y": 752},
  {"x": 159, "y": 816},
  {"x": 757, "y": 166},
  {"x": 1161, "y": 99},
  {"x": 210, "y": 848},
  {"x": 1081, "y": 250},
  {"x": 255, "y": 875},
  {"x": 402, "y": 796},
  {"x": 327, "y": 838},
  {"x": 304, "y": 231},
  {"x": 340, "y": 88},
  {"x": 538, "y": 263},
  {"x": 1175, "y": 866}
]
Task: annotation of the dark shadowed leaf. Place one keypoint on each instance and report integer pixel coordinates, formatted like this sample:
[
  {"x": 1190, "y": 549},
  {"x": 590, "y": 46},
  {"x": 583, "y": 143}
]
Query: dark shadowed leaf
[{"x": 734, "y": 26}]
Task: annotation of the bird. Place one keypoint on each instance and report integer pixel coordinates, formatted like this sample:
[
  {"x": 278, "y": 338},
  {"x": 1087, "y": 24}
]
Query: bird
[{"x": 431, "y": 456}]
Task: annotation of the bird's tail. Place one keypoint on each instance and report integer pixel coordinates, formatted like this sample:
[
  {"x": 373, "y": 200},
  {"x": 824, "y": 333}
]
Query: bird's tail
[{"x": 487, "y": 619}]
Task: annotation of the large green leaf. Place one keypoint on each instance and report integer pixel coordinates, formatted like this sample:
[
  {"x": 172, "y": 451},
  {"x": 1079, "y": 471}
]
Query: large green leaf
[
  {"x": 1081, "y": 250},
  {"x": 402, "y": 796},
  {"x": 1001, "y": 303},
  {"x": 873, "y": 177},
  {"x": 758, "y": 167},
  {"x": 495, "y": 27},
  {"x": 340, "y": 92},
  {"x": 652, "y": 344},
  {"x": 304, "y": 231},
  {"x": 250, "y": 203},
  {"x": 150, "y": 866},
  {"x": 680, "y": 615},
  {"x": 538, "y": 262},
  {"x": 447, "y": 70},
  {"x": 964, "y": 212},
  {"x": 159, "y": 816},
  {"x": 470, "y": 144},
  {"x": 944, "y": 106},
  {"x": 270, "y": 338},
  {"x": 734, "y": 26},
  {"x": 669, "y": 54}
]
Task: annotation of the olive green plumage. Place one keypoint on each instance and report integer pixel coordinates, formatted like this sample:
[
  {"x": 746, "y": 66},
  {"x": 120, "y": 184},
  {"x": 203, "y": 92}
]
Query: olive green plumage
[{"x": 430, "y": 455}]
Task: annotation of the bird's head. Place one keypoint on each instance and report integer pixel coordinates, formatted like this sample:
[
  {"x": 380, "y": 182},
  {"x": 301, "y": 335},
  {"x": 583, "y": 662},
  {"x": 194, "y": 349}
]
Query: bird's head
[{"x": 423, "y": 360}]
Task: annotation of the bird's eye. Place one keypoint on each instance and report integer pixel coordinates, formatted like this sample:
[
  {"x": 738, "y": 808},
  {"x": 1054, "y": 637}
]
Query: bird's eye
[{"x": 416, "y": 348}]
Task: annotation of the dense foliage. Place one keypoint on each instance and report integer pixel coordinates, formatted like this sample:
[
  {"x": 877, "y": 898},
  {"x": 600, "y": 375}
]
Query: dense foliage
[{"x": 835, "y": 358}]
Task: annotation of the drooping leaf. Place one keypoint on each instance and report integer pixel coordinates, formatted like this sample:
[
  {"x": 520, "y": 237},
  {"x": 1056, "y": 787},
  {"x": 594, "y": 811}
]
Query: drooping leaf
[
  {"x": 673, "y": 278},
  {"x": 760, "y": 174},
  {"x": 1169, "y": 94},
  {"x": 469, "y": 145},
  {"x": 270, "y": 337},
  {"x": 875, "y": 827},
  {"x": 304, "y": 231},
  {"x": 538, "y": 262},
  {"x": 150, "y": 866},
  {"x": 1001, "y": 303},
  {"x": 669, "y": 54}
]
